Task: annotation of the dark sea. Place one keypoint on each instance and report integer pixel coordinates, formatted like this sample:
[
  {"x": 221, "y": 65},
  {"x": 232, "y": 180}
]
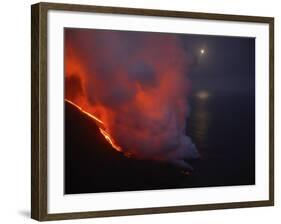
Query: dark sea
[{"x": 223, "y": 129}]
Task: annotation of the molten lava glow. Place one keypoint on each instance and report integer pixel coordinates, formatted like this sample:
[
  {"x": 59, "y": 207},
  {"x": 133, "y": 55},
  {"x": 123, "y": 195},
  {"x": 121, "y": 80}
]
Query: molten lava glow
[
  {"x": 100, "y": 124},
  {"x": 85, "y": 112},
  {"x": 110, "y": 140},
  {"x": 135, "y": 86}
]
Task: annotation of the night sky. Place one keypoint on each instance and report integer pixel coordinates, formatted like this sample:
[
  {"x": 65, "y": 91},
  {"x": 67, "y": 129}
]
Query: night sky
[{"x": 227, "y": 66}]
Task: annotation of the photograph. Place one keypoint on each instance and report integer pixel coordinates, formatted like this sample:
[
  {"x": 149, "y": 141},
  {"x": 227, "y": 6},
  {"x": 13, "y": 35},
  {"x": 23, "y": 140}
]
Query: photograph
[{"x": 156, "y": 110}]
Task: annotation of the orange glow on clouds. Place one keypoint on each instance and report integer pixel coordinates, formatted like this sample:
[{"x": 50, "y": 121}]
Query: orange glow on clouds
[{"x": 135, "y": 86}]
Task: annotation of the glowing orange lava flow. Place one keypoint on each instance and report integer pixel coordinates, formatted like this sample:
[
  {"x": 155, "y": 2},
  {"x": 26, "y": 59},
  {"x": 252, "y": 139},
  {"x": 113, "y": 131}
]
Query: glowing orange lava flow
[
  {"x": 110, "y": 140},
  {"x": 100, "y": 125}
]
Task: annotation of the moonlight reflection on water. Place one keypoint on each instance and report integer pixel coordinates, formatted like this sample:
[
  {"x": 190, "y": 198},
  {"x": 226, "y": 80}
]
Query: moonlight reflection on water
[{"x": 200, "y": 121}]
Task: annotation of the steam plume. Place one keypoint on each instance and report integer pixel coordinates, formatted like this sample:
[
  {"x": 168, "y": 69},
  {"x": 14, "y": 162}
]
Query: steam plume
[{"x": 137, "y": 84}]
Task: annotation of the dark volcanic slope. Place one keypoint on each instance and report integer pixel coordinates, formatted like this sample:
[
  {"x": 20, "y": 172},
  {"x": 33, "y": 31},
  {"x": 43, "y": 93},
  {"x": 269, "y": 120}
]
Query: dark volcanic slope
[{"x": 92, "y": 165}]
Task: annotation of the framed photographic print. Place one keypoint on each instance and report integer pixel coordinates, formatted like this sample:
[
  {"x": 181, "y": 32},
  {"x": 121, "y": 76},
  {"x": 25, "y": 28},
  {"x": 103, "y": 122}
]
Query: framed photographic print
[{"x": 139, "y": 111}]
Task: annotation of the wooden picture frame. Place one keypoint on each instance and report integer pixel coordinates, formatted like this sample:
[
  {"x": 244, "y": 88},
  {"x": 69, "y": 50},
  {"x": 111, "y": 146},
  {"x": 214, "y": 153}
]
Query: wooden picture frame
[{"x": 39, "y": 109}]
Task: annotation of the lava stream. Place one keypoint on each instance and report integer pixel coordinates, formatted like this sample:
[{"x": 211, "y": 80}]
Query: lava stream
[{"x": 100, "y": 124}]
